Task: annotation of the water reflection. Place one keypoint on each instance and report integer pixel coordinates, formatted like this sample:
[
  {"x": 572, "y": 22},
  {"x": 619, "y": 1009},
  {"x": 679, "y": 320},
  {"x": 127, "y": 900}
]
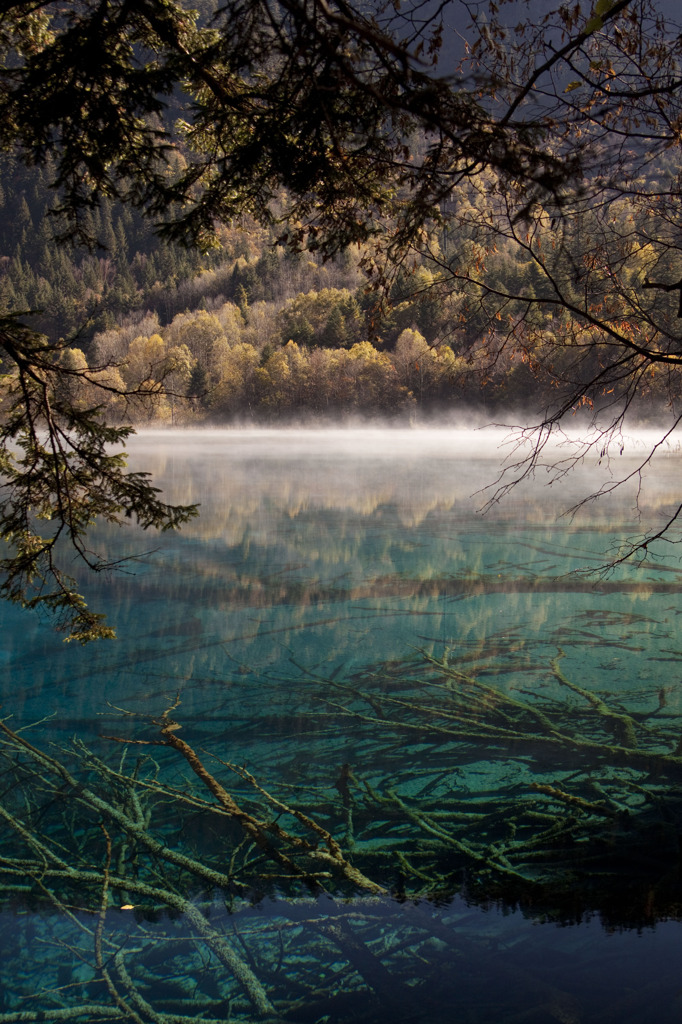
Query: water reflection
[{"x": 244, "y": 475}]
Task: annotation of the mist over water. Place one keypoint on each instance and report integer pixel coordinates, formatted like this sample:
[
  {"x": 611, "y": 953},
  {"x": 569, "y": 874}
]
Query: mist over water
[{"x": 419, "y": 468}]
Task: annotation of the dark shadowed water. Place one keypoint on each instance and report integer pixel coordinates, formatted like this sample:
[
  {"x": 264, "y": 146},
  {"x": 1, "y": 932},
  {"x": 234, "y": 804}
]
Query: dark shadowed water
[{"x": 457, "y": 763}]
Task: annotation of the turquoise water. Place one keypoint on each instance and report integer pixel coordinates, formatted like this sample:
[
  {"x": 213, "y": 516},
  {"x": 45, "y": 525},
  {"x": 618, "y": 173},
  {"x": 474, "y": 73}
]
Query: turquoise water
[{"x": 352, "y": 651}]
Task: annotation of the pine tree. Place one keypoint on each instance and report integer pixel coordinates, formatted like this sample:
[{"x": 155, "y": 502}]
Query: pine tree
[{"x": 334, "y": 332}]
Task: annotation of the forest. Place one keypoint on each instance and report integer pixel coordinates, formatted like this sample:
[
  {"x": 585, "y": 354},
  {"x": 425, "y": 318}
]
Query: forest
[
  {"x": 485, "y": 215},
  {"x": 251, "y": 330}
]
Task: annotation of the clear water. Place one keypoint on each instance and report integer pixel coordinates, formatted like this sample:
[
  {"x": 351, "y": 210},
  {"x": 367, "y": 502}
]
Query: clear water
[{"x": 491, "y": 740}]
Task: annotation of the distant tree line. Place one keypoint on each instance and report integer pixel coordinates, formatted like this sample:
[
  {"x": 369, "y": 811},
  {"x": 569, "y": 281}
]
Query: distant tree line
[{"x": 252, "y": 330}]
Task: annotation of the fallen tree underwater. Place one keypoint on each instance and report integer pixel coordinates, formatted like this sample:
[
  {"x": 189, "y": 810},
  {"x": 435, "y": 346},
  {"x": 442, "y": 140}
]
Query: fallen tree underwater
[{"x": 145, "y": 875}]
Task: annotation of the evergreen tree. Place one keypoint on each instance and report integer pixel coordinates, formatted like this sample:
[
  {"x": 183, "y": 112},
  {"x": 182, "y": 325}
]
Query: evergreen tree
[{"x": 334, "y": 332}]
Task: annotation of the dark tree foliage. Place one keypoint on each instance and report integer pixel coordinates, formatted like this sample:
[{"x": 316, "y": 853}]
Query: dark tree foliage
[
  {"x": 60, "y": 474},
  {"x": 78, "y": 290},
  {"x": 318, "y": 99},
  {"x": 333, "y": 122}
]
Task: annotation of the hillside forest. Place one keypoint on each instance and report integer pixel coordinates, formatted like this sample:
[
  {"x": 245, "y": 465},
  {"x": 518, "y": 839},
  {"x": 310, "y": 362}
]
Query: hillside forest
[{"x": 253, "y": 331}]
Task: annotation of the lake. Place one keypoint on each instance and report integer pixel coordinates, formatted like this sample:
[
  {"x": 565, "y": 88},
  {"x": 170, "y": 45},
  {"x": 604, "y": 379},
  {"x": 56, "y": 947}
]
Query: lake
[{"x": 360, "y": 752}]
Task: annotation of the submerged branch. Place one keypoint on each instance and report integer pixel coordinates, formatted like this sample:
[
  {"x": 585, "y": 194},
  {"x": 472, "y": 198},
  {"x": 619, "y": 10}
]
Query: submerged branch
[{"x": 333, "y": 858}]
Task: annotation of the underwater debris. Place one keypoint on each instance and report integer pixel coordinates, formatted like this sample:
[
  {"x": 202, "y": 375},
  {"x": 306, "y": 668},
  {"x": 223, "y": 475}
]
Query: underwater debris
[{"x": 554, "y": 797}]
